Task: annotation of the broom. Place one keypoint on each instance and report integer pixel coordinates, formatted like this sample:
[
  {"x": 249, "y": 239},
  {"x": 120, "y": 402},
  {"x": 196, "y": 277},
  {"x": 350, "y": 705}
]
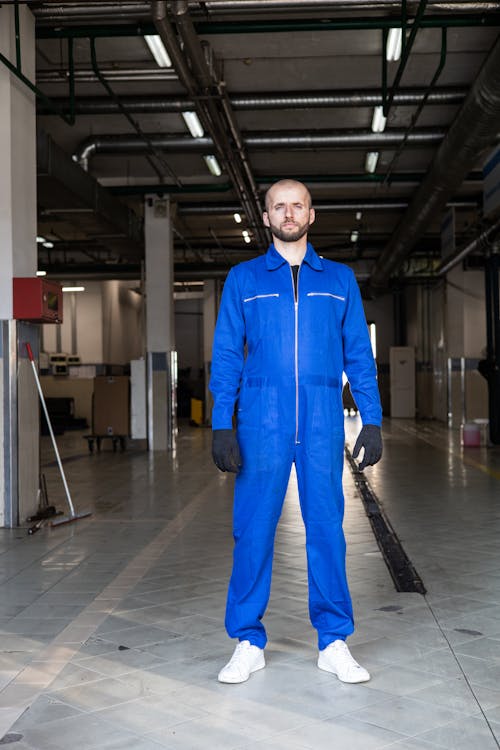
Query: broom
[{"x": 73, "y": 515}]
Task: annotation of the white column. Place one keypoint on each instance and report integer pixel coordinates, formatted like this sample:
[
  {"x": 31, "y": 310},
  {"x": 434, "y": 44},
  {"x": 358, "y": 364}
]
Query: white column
[
  {"x": 160, "y": 337},
  {"x": 19, "y": 423},
  {"x": 209, "y": 317}
]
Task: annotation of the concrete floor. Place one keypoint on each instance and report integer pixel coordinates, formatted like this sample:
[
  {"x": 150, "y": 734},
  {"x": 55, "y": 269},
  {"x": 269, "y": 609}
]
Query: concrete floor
[{"x": 112, "y": 627}]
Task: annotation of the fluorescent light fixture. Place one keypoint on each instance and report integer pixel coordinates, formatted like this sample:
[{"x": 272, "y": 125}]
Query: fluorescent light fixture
[
  {"x": 358, "y": 215},
  {"x": 394, "y": 41},
  {"x": 73, "y": 288},
  {"x": 371, "y": 161},
  {"x": 39, "y": 238},
  {"x": 41, "y": 273},
  {"x": 237, "y": 218},
  {"x": 354, "y": 235},
  {"x": 158, "y": 50},
  {"x": 247, "y": 239},
  {"x": 48, "y": 244},
  {"x": 378, "y": 121},
  {"x": 193, "y": 123},
  {"x": 213, "y": 165}
]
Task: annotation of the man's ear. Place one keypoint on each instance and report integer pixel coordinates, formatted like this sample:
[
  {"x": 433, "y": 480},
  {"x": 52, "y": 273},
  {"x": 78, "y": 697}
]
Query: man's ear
[
  {"x": 265, "y": 219},
  {"x": 312, "y": 215}
]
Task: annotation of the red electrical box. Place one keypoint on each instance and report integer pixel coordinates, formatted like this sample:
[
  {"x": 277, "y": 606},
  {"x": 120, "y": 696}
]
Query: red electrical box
[{"x": 38, "y": 300}]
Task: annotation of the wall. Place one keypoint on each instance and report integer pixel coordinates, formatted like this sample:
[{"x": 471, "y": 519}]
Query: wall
[
  {"x": 123, "y": 323},
  {"x": 103, "y": 324},
  {"x": 466, "y": 325},
  {"x": 189, "y": 332}
]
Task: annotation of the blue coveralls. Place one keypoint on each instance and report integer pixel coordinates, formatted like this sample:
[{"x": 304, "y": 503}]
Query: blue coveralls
[{"x": 281, "y": 360}]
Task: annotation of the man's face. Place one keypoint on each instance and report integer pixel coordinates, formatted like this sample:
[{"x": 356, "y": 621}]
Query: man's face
[{"x": 288, "y": 213}]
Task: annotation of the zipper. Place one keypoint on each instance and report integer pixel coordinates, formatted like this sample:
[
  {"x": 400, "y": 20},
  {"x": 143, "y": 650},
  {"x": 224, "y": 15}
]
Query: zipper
[
  {"x": 260, "y": 296},
  {"x": 296, "y": 308},
  {"x": 325, "y": 294}
]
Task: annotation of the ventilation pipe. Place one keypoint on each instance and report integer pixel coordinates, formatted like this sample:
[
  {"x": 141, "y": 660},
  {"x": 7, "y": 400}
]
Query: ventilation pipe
[
  {"x": 102, "y": 105},
  {"x": 120, "y": 144},
  {"x": 474, "y": 130}
]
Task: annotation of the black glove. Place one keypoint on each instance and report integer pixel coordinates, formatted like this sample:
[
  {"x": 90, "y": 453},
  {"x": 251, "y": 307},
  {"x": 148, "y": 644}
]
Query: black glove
[
  {"x": 370, "y": 438},
  {"x": 226, "y": 451}
]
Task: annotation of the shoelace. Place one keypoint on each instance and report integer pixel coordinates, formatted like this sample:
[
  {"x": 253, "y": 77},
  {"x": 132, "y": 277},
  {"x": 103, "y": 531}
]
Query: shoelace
[
  {"x": 239, "y": 652},
  {"x": 345, "y": 655}
]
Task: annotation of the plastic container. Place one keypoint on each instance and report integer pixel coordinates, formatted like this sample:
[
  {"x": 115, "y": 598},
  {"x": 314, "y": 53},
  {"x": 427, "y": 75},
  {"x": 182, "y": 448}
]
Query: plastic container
[{"x": 471, "y": 435}]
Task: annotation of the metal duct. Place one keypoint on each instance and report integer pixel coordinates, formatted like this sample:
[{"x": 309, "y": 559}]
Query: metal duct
[
  {"x": 136, "y": 10},
  {"x": 474, "y": 130},
  {"x": 225, "y": 6},
  {"x": 244, "y": 102},
  {"x": 479, "y": 243},
  {"x": 111, "y": 74},
  {"x": 199, "y": 78},
  {"x": 208, "y": 209},
  {"x": 120, "y": 144}
]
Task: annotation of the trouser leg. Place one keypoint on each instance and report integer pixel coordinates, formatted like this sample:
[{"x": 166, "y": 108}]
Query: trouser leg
[
  {"x": 258, "y": 500},
  {"x": 319, "y": 478}
]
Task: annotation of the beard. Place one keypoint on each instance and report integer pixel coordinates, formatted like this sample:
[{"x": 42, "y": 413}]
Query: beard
[{"x": 289, "y": 235}]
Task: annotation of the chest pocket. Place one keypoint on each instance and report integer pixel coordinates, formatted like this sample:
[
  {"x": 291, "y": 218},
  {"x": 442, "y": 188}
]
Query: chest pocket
[
  {"x": 260, "y": 296},
  {"x": 326, "y": 294}
]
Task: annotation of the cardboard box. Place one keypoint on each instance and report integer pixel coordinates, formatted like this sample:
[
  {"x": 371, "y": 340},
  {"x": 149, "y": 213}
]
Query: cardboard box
[{"x": 111, "y": 412}]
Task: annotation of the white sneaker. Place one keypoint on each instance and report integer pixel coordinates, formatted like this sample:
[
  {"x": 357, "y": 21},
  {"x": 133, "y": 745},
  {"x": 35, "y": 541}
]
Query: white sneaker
[
  {"x": 336, "y": 658},
  {"x": 245, "y": 660}
]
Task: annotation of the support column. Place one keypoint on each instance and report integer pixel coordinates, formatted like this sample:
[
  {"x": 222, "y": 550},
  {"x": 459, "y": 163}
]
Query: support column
[
  {"x": 210, "y": 302},
  {"x": 160, "y": 336},
  {"x": 490, "y": 367},
  {"x": 19, "y": 409}
]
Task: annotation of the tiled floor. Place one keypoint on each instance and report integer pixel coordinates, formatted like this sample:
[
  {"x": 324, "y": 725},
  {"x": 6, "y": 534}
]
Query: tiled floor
[{"x": 112, "y": 627}]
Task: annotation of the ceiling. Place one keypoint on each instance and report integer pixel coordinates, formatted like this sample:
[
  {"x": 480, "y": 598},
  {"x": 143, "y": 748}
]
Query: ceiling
[{"x": 281, "y": 89}]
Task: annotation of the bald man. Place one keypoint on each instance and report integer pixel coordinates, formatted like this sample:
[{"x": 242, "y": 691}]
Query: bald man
[{"x": 290, "y": 323}]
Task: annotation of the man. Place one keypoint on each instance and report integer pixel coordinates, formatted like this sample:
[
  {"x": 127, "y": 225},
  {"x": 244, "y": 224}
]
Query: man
[{"x": 289, "y": 324}]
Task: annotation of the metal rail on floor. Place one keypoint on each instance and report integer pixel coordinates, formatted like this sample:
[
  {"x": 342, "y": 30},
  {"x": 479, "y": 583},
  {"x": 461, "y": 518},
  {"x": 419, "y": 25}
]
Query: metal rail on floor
[{"x": 405, "y": 577}]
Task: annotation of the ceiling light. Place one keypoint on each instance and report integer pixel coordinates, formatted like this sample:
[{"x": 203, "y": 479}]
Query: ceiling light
[
  {"x": 158, "y": 51},
  {"x": 371, "y": 161},
  {"x": 237, "y": 218},
  {"x": 48, "y": 244},
  {"x": 247, "y": 239},
  {"x": 354, "y": 236},
  {"x": 194, "y": 125},
  {"x": 39, "y": 238},
  {"x": 41, "y": 273},
  {"x": 213, "y": 165},
  {"x": 393, "y": 48},
  {"x": 245, "y": 233},
  {"x": 73, "y": 288},
  {"x": 358, "y": 215},
  {"x": 378, "y": 121}
]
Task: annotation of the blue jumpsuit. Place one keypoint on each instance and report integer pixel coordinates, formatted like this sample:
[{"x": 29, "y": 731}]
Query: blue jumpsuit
[{"x": 281, "y": 361}]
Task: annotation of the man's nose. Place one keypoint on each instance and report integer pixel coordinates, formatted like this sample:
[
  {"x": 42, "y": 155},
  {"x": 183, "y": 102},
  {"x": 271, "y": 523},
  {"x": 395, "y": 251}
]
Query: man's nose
[{"x": 289, "y": 211}]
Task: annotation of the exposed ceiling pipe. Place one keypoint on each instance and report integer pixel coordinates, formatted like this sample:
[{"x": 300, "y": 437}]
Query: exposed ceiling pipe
[
  {"x": 478, "y": 244},
  {"x": 136, "y": 10},
  {"x": 232, "y": 147},
  {"x": 224, "y": 6},
  {"x": 156, "y": 105},
  {"x": 199, "y": 79},
  {"x": 87, "y": 75},
  {"x": 201, "y": 209},
  {"x": 120, "y": 144},
  {"x": 474, "y": 130},
  {"x": 73, "y": 11}
]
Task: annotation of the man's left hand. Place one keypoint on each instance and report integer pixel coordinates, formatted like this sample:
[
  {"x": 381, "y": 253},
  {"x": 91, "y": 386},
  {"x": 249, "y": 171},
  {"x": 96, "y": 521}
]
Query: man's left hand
[{"x": 370, "y": 438}]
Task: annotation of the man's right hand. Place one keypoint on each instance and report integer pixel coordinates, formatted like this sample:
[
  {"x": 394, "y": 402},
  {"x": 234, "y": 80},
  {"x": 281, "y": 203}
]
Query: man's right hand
[{"x": 226, "y": 451}]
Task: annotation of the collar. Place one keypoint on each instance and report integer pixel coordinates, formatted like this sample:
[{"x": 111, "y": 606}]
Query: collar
[{"x": 275, "y": 260}]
